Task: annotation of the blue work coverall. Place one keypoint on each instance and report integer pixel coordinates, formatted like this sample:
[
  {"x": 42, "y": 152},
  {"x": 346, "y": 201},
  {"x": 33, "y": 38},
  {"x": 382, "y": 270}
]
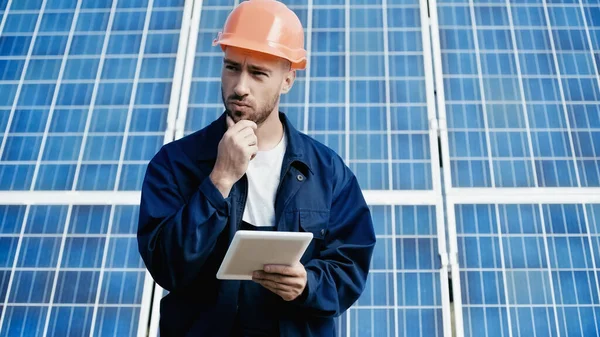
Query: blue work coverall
[{"x": 186, "y": 226}]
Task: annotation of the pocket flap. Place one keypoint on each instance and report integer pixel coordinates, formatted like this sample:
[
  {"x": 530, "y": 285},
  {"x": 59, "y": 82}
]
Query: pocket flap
[{"x": 314, "y": 222}]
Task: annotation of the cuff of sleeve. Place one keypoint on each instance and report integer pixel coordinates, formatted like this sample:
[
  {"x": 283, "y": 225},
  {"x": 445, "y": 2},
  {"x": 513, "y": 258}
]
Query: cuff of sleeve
[
  {"x": 214, "y": 196},
  {"x": 309, "y": 291}
]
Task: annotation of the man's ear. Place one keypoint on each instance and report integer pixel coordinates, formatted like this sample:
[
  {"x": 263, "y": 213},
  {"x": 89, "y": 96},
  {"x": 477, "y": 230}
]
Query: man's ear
[{"x": 288, "y": 81}]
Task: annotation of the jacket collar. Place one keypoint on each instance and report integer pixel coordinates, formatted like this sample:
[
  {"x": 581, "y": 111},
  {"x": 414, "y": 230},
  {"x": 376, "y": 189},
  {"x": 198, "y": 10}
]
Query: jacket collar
[{"x": 295, "y": 152}]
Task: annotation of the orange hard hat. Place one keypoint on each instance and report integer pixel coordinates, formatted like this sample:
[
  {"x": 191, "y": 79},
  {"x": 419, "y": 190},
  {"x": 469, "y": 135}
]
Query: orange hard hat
[{"x": 265, "y": 26}]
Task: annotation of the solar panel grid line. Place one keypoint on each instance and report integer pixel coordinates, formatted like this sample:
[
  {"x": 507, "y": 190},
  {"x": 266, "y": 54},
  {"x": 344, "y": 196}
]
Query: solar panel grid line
[
  {"x": 134, "y": 92},
  {"x": 77, "y": 305},
  {"x": 73, "y": 269},
  {"x": 482, "y": 94},
  {"x": 86, "y": 10},
  {"x": 570, "y": 253},
  {"x": 85, "y": 56},
  {"x": 5, "y": 16},
  {"x": 453, "y": 265},
  {"x": 189, "y": 69},
  {"x": 548, "y": 263},
  {"x": 390, "y": 169},
  {"x": 504, "y": 278},
  {"x": 116, "y": 33},
  {"x": 146, "y": 305},
  {"x": 546, "y": 195},
  {"x": 346, "y": 155},
  {"x": 13, "y": 269},
  {"x": 180, "y": 62},
  {"x": 61, "y": 251},
  {"x": 309, "y": 28},
  {"x": 92, "y": 104},
  {"x": 427, "y": 25},
  {"x": 157, "y": 295},
  {"x": 22, "y": 78},
  {"x": 561, "y": 92},
  {"x": 597, "y": 72},
  {"x": 54, "y": 97},
  {"x": 347, "y": 59},
  {"x": 594, "y": 262}
]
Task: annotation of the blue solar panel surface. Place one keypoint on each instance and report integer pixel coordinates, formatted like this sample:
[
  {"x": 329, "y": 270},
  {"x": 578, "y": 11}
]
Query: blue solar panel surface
[
  {"x": 522, "y": 92},
  {"x": 84, "y": 91},
  {"x": 529, "y": 269},
  {"x": 70, "y": 271}
]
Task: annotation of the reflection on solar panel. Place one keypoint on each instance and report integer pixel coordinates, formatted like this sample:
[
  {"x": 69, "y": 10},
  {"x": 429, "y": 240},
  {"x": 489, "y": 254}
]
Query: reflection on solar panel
[{"x": 90, "y": 90}]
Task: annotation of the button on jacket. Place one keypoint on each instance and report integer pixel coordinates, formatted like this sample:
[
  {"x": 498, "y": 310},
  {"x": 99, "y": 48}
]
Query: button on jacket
[{"x": 186, "y": 226}]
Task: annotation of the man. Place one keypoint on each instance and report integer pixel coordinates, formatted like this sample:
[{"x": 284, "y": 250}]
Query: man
[{"x": 250, "y": 169}]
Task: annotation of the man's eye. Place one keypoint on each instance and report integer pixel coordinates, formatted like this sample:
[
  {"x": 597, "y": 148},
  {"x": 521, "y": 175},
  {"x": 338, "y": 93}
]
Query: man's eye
[
  {"x": 259, "y": 73},
  {"x": 229, "y": 67}
]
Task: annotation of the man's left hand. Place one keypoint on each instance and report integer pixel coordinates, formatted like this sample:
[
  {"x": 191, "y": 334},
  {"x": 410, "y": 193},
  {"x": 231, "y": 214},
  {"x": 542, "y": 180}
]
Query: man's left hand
[{"x": 286, "y": 281}]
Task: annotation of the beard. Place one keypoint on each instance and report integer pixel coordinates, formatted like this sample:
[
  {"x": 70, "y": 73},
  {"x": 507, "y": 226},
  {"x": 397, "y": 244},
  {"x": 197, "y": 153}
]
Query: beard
[{"x": 258, "y": 115}]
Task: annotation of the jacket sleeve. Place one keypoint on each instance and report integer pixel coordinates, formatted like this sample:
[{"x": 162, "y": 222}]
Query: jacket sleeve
[
  {"x": 175, "y": 237},
  {"x": 337, "y": 278}
]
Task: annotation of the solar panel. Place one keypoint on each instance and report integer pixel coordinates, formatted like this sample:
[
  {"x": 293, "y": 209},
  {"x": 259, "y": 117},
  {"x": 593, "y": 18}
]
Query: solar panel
[
  {"x": 529, "y": 269},
  {"x": 520, "y": 97},
  {"x": 402, "y": 296},
  {"x": 71, "y": 270},
  {"x": 84, "y": 95},
  {"x": 85, "y": 91},
  {"x": 522, "y": 91}
]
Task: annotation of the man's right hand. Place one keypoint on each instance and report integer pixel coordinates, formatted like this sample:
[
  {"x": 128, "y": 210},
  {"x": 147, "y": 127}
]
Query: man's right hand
[{"x": 237, "y": 147}]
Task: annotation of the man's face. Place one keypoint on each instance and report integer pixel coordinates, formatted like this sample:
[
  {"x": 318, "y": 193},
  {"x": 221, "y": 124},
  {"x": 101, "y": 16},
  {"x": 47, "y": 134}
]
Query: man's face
[{"x": 252, "y": 83}]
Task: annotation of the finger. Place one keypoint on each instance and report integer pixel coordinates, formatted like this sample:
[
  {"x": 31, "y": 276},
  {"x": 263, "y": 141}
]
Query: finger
[
  {"x": 251, "y": 139},
  {"x": 244, "y": 123},
  {"x": 251, "y": 151},
  {"x": 283, "y": 270},
  {"x": 230, "y": 122},
  {"x": 245, "y": 132},
  {"x": 277, "y": 287},
  {"x": 285, "y": 295},
  {"x": 278, "y": 278}
]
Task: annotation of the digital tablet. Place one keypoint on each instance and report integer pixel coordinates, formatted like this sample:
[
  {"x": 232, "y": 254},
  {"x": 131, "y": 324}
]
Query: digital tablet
[{"x": 252, "y": 250}]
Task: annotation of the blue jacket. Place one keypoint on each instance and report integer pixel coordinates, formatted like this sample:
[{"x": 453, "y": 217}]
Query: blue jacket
[{"x": 185, "y": 227}]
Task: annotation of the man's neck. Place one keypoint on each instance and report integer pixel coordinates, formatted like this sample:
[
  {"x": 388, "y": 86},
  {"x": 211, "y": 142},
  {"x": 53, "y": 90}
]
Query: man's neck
[{"x": 269, "y": 133}]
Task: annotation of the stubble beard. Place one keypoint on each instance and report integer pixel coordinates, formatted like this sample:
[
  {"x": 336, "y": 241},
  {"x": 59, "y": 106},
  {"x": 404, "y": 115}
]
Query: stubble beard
[{"x": 259, "y": 117}]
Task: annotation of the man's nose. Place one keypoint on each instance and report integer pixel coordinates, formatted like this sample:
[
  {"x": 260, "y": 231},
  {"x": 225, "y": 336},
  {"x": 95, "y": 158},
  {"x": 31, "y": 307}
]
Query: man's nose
[{"x": 241, "y": 88}]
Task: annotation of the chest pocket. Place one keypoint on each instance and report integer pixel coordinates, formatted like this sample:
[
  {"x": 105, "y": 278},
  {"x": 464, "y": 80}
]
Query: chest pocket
[{"x": 315, "y": 222}]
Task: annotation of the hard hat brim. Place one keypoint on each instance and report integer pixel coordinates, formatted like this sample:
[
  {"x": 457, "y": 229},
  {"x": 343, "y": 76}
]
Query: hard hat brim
[{"x": 223, "y": 40}]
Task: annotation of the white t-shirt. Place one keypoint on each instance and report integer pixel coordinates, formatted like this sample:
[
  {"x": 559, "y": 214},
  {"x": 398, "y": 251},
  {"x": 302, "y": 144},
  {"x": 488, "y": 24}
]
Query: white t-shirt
[{"x": 263, "y": 179}]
